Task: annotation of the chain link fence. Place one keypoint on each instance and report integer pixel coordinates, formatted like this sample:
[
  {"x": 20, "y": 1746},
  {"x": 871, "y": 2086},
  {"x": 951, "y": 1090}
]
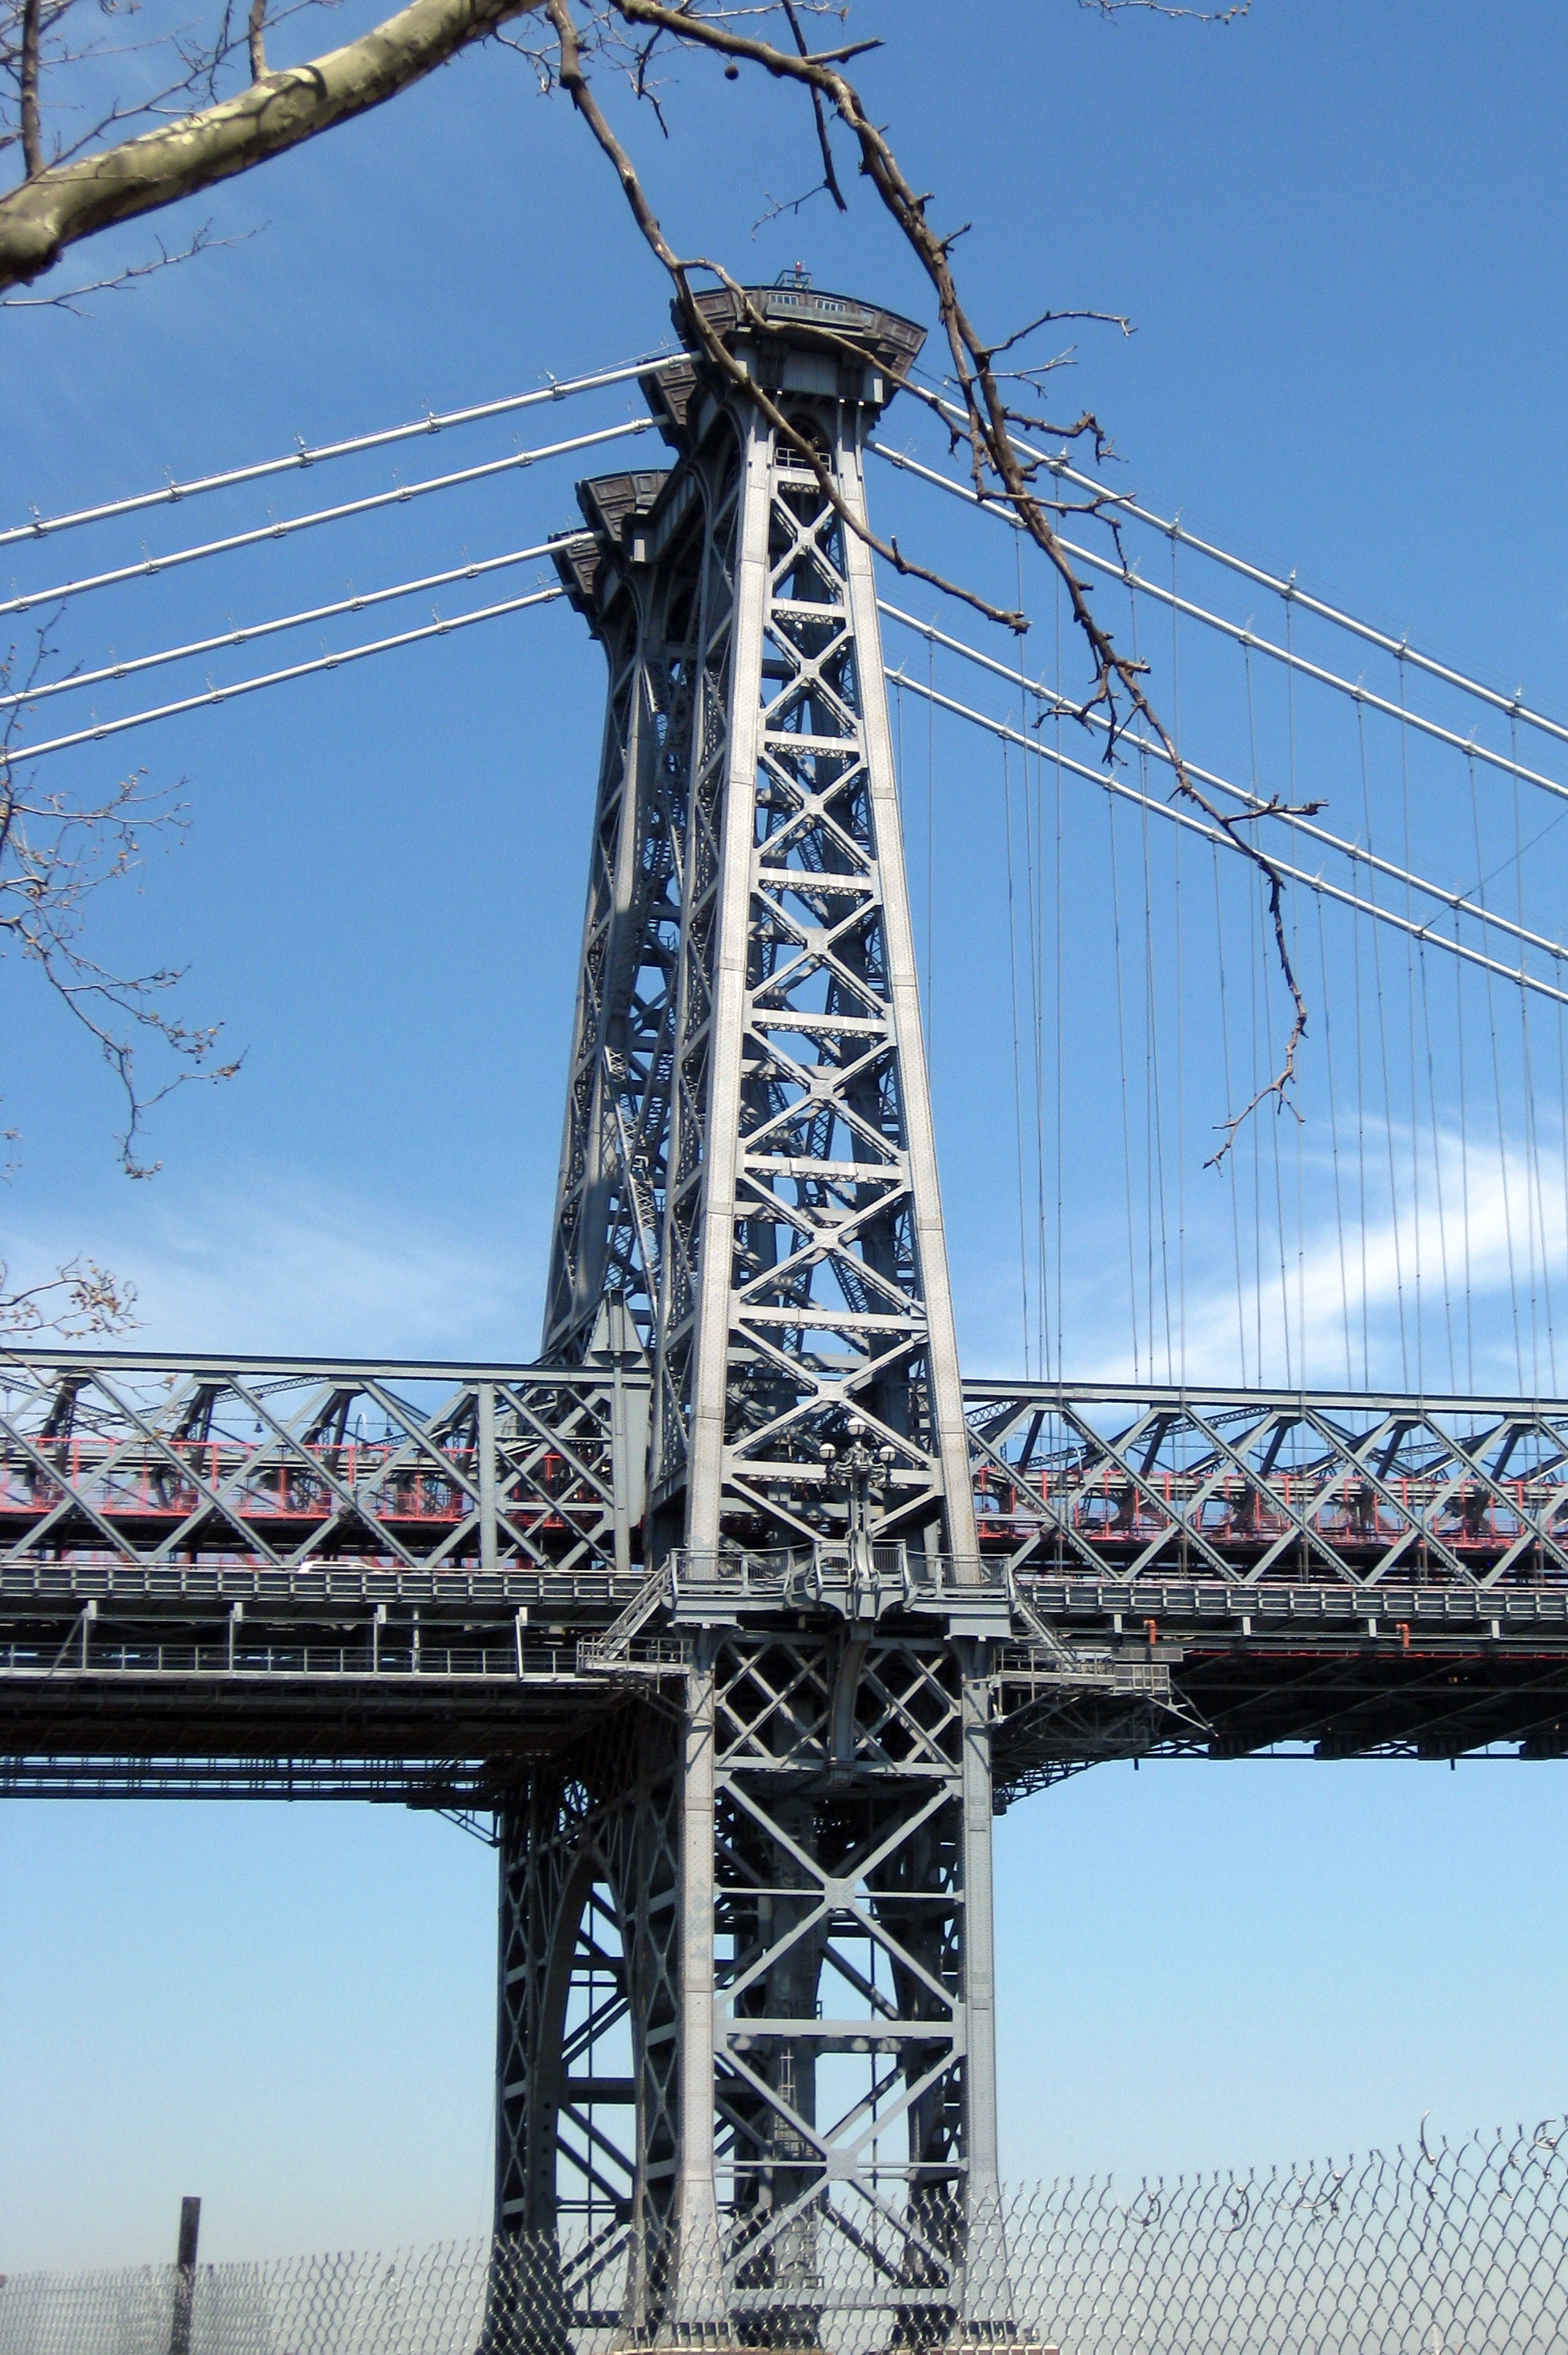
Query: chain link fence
[{"x": 1449, "y": 2252}]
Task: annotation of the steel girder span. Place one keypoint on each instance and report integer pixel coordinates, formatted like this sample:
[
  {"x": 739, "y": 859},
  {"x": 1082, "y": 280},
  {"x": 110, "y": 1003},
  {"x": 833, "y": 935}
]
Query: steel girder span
[{"x": 380, "y": 1535}]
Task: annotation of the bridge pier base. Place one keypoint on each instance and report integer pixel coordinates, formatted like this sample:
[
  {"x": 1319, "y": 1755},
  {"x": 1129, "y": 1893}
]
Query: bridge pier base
[{"x": 746, "y": 2049}]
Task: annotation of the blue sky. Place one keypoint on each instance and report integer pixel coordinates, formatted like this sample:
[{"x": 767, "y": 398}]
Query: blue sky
[{"x": 1340, "y": 233}]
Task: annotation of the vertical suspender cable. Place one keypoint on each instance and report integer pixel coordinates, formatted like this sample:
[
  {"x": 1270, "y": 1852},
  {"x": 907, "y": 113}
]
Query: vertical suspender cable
[
  {"x": 1561, "y": 1189},
  {"x": 1042, "y": 1255},
  {"x": 1361, "y": 1154},
  {"x": 1437, "y": 1166},
  {"x": 1180, "y": 994},
  {"x": 1029, "y": 728},
  {"x": 1060, "y": 1259},
  {"x": 1258, "y": 925},
  {"x": 1253, "y": 1085},
  {"x": 1498, "y": 1088},
  {"x": 1531, "y": 1124},
  {"x": 1465, "y": 1162},
  {"x": 1334, "y": 1138},
  {"x": 1154, "y": 1119},
  {"x": 1295, "y": 955},
  {"x": 1267, "y": 995},
  {"x": 1018, "y": 1079},
  {"x": 1382, "y": 1048},
  {"x": 1410, "y": 1025},
  {"x": 1122, "y": 1075},
  {"x": 1254, "y": 1080},
  {"x": 1229, "y": 1099}
]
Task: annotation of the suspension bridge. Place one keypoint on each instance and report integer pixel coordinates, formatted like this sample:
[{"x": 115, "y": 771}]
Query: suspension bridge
[{"x": 742, "y": 1610}]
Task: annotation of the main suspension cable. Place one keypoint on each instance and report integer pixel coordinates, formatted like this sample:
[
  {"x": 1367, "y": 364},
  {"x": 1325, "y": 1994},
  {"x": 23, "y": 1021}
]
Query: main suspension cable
[
  {"x": 1288, "y": 589},
  {"x": 436, "y": 629},
  {"x": 150, "y": 565},
  {"x": 1246, "y": 637},
  {"x": 1112, "y": 784},
  {"x": 355, "y": 602},
  {"x": 171, "y": 494},
  {"x": 1359, "y": 854}
]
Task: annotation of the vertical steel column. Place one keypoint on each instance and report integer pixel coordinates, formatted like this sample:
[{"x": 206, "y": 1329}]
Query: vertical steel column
[
  {"x": 719, "y": 1008},
  {"x": 697, "y": 2198},
  {"x": 612, "y": 1168},
  {"x": 585, "y": 1224},
  {"x": 808, "y": 1282},
  {"x": 947, "y": 1389}
]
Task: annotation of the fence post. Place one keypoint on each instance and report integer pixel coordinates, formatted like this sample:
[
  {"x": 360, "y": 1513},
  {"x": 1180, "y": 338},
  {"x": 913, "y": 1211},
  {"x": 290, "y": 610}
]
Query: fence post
[{"x": 184, "y": 2277}]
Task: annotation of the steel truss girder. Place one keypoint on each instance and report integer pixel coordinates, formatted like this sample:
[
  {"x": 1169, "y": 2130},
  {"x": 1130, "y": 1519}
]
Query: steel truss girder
[
  {"x": 161, "y": 1463},
  {"x": 126, "y": 1460},
  {"x": 1248, "y": 1487}
]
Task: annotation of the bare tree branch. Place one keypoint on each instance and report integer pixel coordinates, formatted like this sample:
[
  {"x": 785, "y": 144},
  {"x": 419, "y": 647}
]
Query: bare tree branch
[
  {"x": 575, "y": 84},
  {"x": 68, "y": 201},
  {"x": 1116, "y": 684},
  {"x": 1165, "y": 8},
  {"x": 32, "y": 141},
  {"x": 56, "y": 853},
  {"x": 202, "y": 242},
  {"x": 1054, "y": 318},
  {"x": 79, "y": 1302},
  {"x": 830, "y": 177}
]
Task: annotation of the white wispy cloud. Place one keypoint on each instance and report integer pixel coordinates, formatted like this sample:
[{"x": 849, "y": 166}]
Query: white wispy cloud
[
  {"x": 1477, "y": 1235},
  {"x": 276, "y": 1265}
]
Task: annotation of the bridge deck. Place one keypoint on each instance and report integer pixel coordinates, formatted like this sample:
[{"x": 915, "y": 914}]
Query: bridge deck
[{"x": 332, "y": 1576}]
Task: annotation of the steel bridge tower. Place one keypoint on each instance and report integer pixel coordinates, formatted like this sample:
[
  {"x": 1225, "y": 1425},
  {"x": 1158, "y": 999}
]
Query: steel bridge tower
[{"x": 769, "y": 1903}]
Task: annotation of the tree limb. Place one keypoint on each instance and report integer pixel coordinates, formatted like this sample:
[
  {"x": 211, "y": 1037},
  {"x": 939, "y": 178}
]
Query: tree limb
[
  {"x": 69, "y": 297},
  {"x": 56, "y": 853},
  {"x": 575, "y": 84},
  {"x": 1117, "y": 682},
  {"x": 32, "y": 141},
  {"x": 77, "y": 1302},
  {"x": 830, "y": 177},
  {"x": 55, "y": 208}
]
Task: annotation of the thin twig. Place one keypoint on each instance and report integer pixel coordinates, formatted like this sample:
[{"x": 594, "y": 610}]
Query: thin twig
[
  {"x": 1054, "y": 318},
  {"x": 830, "y": 177},
  {"x": 202, "y": 242},
  {"x": 96, "y": 1302},
  {"x": 54, "y": 856}
]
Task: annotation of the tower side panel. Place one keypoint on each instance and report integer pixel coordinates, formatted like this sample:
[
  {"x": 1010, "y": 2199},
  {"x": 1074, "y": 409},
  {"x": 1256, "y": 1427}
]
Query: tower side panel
[{"x": 806, "y": 1271}]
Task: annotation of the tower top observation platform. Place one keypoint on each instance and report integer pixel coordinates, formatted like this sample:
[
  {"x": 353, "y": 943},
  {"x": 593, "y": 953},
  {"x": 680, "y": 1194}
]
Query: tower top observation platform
[
  {"x": 800, "y": 318},
  {"x": 792, "y": 340}
]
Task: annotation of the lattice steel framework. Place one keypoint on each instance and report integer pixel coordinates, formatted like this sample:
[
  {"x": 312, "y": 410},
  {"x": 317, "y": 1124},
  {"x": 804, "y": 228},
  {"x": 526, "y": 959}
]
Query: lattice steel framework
[
  {"x": 1371, "y": 1490},
  {"x": 162, "y": 1462},
  {"x": 748, "y": 1161},
  {"x": 747, "y": 1170}
]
